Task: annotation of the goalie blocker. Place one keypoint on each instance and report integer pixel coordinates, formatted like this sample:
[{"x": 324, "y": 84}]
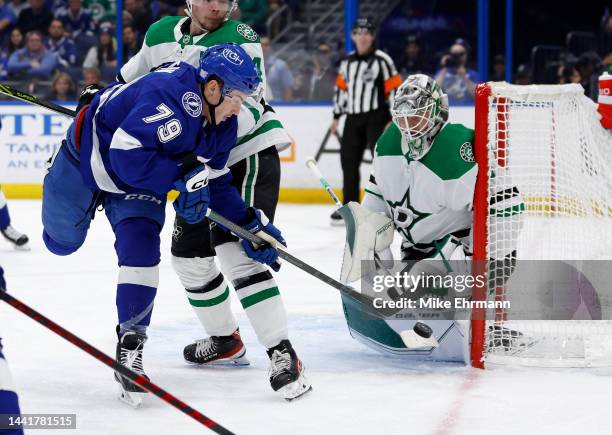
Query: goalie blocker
[{"x": 367, "y": 252}]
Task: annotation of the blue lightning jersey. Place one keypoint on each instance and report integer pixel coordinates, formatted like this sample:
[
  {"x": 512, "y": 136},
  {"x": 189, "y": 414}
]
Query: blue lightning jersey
[{"x": 134, "y": 135}]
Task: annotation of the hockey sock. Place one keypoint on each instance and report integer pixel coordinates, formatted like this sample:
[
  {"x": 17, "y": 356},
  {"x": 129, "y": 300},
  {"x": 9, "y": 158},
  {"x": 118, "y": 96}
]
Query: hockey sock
[
  {"x": 258, "y": 293},
  {"x": 137, "y": 246},
  {"x": 136, "y": 292},
  {"x": 208, "y": 294}
]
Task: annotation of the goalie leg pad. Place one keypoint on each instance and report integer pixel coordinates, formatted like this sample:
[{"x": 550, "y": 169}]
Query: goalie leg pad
[{"x": 367, "y": 233}]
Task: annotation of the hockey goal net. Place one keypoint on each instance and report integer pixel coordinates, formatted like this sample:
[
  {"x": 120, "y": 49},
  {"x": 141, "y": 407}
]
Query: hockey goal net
[{"x": 543, "y": 204}]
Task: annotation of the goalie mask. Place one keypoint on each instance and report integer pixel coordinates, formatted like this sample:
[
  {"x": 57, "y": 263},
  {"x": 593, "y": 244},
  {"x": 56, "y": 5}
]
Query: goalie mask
[{"x": 419, "y": 110}]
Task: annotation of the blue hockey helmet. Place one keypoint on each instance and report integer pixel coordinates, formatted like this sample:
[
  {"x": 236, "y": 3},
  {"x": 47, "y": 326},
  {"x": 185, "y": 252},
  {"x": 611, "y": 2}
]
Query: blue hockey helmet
[{"x": 232, "y": 65}]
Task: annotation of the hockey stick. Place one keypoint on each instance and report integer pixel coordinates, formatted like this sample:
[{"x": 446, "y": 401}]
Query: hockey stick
[
  {"x": 366, "y": 300},
  {"x": 421, "y": 336},
  {"x": 14, "y": 93},
  {"x": 312, "y": 164},
  {"x": 124, "y": 371}
]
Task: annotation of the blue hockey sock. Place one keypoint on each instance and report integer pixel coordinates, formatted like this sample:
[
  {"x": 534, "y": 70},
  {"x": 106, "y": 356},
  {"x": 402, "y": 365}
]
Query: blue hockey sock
[{"x": 134, "y": 306}]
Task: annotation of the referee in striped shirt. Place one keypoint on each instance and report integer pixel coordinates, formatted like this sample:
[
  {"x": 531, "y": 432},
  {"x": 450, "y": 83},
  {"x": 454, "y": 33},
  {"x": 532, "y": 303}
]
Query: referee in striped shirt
[{"x": 366, "y": 81}]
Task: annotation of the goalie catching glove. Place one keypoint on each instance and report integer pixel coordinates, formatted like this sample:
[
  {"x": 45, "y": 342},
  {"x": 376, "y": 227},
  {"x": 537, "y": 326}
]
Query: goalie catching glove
[
  {"x": 259, "y": 224},
  {"x": 194, "y": 197}
]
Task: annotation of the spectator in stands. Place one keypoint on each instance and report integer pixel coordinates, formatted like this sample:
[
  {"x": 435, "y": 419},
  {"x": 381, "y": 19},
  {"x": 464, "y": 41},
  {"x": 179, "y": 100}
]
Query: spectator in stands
[
  {"x": 141, "y": 15},
  {"x": 567, "y": 74},
  {"x": 127, "y": 18},
  {"x": 3, "y": 65},
  {"x": 35, "y": 17},
  {"x": 522, "y": 76},
  {"x": 324, "y": 74},
  {"x": 301, "y": 82},
  {"x": 16, "y": 6},
  {"x": 278, "y": 74},
  {"x": 587, "y": 66},
  {"x": 454, "y": 77},
  {"x": 103, "y": 54},
  {"x": 60, "y": 45},
  {"x": 62, "y": 88},
  {"x": 34, "y": 60},
  {"x": 7, "y": 21},
  {"x": 131, "y": 45},
  {"x": 76, "y": 20},
  {"x": 91, "y": 76},
  {"x": 413, "y": 61},
  {"x": 255, "y": 14},
  {"x": 16, "y": 41},
  {"x": 499, "y": 69}
]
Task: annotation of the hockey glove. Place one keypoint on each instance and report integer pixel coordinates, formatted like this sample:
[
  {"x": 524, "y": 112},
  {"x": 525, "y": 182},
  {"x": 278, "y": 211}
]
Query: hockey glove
[
  {"x": 194, "y": 196},
  {"x": 87, "y": 95},
  {"x": 195, "y": 174},
  {"x": 192, "y": 206},
  {"x": 259, "y": 224}
]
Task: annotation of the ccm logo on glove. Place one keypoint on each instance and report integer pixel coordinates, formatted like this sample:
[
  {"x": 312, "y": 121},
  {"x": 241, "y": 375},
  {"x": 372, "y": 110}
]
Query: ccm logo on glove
[{"x": 198, "y": 180}]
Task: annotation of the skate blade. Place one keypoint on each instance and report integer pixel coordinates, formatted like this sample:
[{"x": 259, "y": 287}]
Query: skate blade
[
  {"x": 132, "y": 398},
  {"x": 25, "y": 247},
  {"x": 296, "y": 389},
  {"x": 242, "y": 361}
]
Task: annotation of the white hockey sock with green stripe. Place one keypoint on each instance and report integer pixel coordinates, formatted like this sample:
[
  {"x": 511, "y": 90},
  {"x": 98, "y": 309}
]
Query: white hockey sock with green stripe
[
  {"x": 258, "y": 293},
  {"x": 207, "y": 292}
]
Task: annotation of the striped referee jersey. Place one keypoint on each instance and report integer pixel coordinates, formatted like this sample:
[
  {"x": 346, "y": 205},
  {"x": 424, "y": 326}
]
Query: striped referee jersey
[{"x": 365, "y": 83}]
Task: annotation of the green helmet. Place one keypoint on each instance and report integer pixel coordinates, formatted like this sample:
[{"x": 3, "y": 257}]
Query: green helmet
[{"x": 419, "y": 110}]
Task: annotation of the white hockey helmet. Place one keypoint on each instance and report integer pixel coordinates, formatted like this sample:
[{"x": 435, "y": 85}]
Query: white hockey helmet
[
  {"x": 232, "y": 5},
  {"x": 419, "y": 110}
]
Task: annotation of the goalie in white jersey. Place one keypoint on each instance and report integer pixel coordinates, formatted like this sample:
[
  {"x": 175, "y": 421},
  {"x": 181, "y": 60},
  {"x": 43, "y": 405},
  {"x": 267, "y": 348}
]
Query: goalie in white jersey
[
  {"x": 255, "y": 167},
  {"x": 423, "y": 180}
]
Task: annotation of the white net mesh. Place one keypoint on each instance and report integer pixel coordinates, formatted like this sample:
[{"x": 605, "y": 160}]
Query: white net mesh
[{"x": 550, "y": 197}]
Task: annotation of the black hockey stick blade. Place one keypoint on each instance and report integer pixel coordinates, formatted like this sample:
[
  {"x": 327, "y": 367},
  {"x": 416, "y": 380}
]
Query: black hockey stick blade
[
  {"x": 122, "y": 370},
  {"x": 28, "y": 98}
]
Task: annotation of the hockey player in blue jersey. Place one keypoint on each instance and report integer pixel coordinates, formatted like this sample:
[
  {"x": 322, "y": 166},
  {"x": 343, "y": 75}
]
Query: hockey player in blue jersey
[
  {"x": 125, "y": 150},
  {"x": 9, "y": 403}
]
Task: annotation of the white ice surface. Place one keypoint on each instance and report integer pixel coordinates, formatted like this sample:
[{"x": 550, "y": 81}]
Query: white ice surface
[{"x": 356, "y": 391}]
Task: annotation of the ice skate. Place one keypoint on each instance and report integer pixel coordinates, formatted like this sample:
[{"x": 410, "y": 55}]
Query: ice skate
[
  {"x": 287, "y": 372},
  {"x": 217, "y": 350},
  {"x": 129, "y": 354},
  {"x": 19, "y": 240}
]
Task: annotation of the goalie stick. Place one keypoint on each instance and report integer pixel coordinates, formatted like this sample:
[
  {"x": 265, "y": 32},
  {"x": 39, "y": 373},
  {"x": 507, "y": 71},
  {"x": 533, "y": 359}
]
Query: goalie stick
[
  {"x": 421, "y": 335},
  {"x": 122, "y": 370},
  {"x": 367, "y": 301}
]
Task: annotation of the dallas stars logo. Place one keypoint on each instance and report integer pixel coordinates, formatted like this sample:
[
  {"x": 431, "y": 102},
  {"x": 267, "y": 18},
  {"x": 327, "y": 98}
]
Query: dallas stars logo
[
  {"x": 467, "y": 153},
  {"x": 405, "y": 216},
  {"x": 247, "y": 32}
]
